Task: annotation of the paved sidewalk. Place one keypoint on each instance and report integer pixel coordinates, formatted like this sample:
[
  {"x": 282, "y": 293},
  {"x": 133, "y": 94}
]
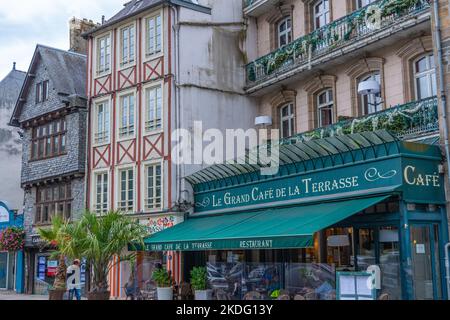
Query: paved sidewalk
[{"x": 8, "y": 295}]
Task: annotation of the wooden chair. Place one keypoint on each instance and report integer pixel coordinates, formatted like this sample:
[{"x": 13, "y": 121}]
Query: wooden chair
[
  {"x": 185, "y": 291},
  {"x": 310, "y": 295},
  {"x": 221, "y": 295},
  {"x": 284, "y": 297}
]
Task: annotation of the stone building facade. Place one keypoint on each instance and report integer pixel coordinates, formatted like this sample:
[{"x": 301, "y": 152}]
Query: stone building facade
[{"x": 51, "y": 113}]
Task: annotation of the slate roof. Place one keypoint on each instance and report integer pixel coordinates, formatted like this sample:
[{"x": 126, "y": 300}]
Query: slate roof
[
  {"x": 10, "y": 87},
  {"x": 134, "y": 7},
  {"x": 67, "y": 70}
]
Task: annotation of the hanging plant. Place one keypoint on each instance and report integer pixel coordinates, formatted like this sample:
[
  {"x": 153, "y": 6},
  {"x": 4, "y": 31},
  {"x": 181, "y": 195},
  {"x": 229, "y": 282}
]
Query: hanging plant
[{"x": 12, "y": 239}]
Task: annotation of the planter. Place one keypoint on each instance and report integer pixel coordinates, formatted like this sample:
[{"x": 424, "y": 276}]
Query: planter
[
  {"x": 56, "y": 294},
  {"x": 203, "y": 294},
  {"x": 165, "y": 293},
  {"x": 99, "y": 295}
]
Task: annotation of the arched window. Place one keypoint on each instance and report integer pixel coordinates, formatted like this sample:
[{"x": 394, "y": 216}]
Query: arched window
[
  {"x": 287, "y": 117},
  {"x": 321, "y": 13},
  {"x": 371, "y": 103},
  {"x": 425, "y": 76},
  {"x": 284, "y": 31},
  {"x": 325, "y": 108}
]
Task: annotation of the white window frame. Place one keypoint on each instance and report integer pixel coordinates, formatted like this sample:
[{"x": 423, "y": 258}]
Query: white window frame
[
  {"x": 129, "y": 129},
  {"x": 322, "y": 13},
  {"x": 328, "y": 104},
  {"x": 104, "y": 205},
  {"x": 151, "y": 38},
  {"x": 102, "y": 137},
  {"x": 285, "y": 33},
  {"x": 154, "y": 207},
  {"x": 290, "y": 118},
  {"x": 128, "y": 45},
  {"x": 430, "y": 75},
  {"x": 123, "y": 205},
  {"x": 154, "y": 124},
  {"x": 359, "y": 3},
  {"x": 105, "y": 67}
]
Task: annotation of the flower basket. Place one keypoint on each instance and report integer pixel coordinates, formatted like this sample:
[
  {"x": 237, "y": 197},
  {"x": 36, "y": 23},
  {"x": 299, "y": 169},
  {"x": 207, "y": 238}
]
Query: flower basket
[{"x": 12, "y": 239}]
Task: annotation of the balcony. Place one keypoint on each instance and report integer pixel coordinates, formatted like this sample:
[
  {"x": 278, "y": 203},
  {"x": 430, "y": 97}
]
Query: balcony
[
  {"x": 255, "y": 8},
  {"x": 411, "y": 121},
  {"x": 363, "y": 27}
]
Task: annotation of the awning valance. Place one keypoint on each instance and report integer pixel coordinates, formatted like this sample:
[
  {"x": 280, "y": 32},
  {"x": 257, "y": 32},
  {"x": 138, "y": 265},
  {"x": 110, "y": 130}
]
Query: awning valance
[{"x": 280, "y": 228}]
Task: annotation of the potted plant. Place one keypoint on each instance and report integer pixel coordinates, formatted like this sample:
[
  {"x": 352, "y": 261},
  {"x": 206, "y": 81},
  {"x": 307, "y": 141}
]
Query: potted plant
[
  {"x": 52, "y": 237},
  {"x": 164, "y": 284},
  {"x": 199, "y": 282}
]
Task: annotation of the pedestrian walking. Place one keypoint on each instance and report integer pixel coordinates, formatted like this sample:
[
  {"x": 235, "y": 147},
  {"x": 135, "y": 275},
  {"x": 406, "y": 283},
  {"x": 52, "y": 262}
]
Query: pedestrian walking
[{"x": 74, "y": 280}]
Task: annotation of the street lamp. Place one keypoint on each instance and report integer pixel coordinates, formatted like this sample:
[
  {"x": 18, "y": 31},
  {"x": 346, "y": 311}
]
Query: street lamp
[
  {"x": 263, "y": 121},
  {"x": 370, "y": 87}
]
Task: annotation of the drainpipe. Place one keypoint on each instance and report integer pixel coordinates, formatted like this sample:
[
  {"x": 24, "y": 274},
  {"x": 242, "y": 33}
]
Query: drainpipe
[
  {"x": 437, "y": 41},
  {"x": 176, "y": 29},
  {"x": 447, "y": 267}
]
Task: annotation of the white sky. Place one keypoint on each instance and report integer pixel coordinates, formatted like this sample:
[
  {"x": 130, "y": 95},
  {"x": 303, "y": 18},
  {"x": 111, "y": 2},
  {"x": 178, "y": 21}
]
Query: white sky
[{"x": 25, "y": 23}]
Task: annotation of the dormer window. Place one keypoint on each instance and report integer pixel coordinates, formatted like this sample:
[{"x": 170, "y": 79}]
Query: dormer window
[{"x": 42, "y": 91}]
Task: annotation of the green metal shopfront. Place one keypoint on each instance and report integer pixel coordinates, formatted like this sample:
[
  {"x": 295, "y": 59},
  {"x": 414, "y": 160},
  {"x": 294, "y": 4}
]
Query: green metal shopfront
[{"x": 381, "y": 197}]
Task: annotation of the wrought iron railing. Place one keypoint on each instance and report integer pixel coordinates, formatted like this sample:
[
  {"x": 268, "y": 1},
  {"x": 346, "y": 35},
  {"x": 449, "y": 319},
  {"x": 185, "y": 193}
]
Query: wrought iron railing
[
  {"x": 406, "y": 121},
  {"x": 363, "y": 22},
  {"x": 248, "y": 3}
]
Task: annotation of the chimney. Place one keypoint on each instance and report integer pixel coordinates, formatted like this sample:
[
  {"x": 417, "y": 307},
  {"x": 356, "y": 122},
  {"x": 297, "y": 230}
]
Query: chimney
[
  {"x": 14, "y": 65},
  {"x": 77, "y": 27}
]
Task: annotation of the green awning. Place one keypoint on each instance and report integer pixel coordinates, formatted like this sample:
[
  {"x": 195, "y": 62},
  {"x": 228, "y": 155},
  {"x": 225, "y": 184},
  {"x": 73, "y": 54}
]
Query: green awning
[{"x": 281, "y": 228}]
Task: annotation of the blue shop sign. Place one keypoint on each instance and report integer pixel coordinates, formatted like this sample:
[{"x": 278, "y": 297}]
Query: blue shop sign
[{"x": 8, "y": 218}]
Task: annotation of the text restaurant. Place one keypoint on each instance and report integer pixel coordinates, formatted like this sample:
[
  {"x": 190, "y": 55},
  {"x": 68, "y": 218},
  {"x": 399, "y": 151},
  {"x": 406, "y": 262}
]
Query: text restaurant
[{"x": 339, "y": 207}]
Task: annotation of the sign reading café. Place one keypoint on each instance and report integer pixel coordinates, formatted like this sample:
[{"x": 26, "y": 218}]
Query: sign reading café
[{"x": 417, "y": 179}]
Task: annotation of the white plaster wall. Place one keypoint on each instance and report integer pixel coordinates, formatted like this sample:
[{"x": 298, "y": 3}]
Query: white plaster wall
[
  {"x": 211, "y": 57},
  {"x": 212, "y": 76}
]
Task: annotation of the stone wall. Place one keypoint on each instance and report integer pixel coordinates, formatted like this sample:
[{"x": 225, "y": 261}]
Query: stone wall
[
  {"x": 72, "y": 162},
  {"x": 76, "y": 28},
  {"x": 31, "y": 109},
  {"x": 78, "y": 206}
]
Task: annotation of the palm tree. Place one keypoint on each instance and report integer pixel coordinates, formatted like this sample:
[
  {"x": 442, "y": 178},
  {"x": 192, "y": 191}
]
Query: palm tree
[
  {"x": 54, "y": 236},
  {"x": 99, "y": 238}
]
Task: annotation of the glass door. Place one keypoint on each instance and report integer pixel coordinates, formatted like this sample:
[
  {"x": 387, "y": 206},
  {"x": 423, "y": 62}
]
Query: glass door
[
  {"x": 425, "y": 262},
  {"x": 3, "y": 270},
  {"x": 11, "y": 270},
  {"x": 380, "y": 246},
  {"x": 389, "y": 262}
]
